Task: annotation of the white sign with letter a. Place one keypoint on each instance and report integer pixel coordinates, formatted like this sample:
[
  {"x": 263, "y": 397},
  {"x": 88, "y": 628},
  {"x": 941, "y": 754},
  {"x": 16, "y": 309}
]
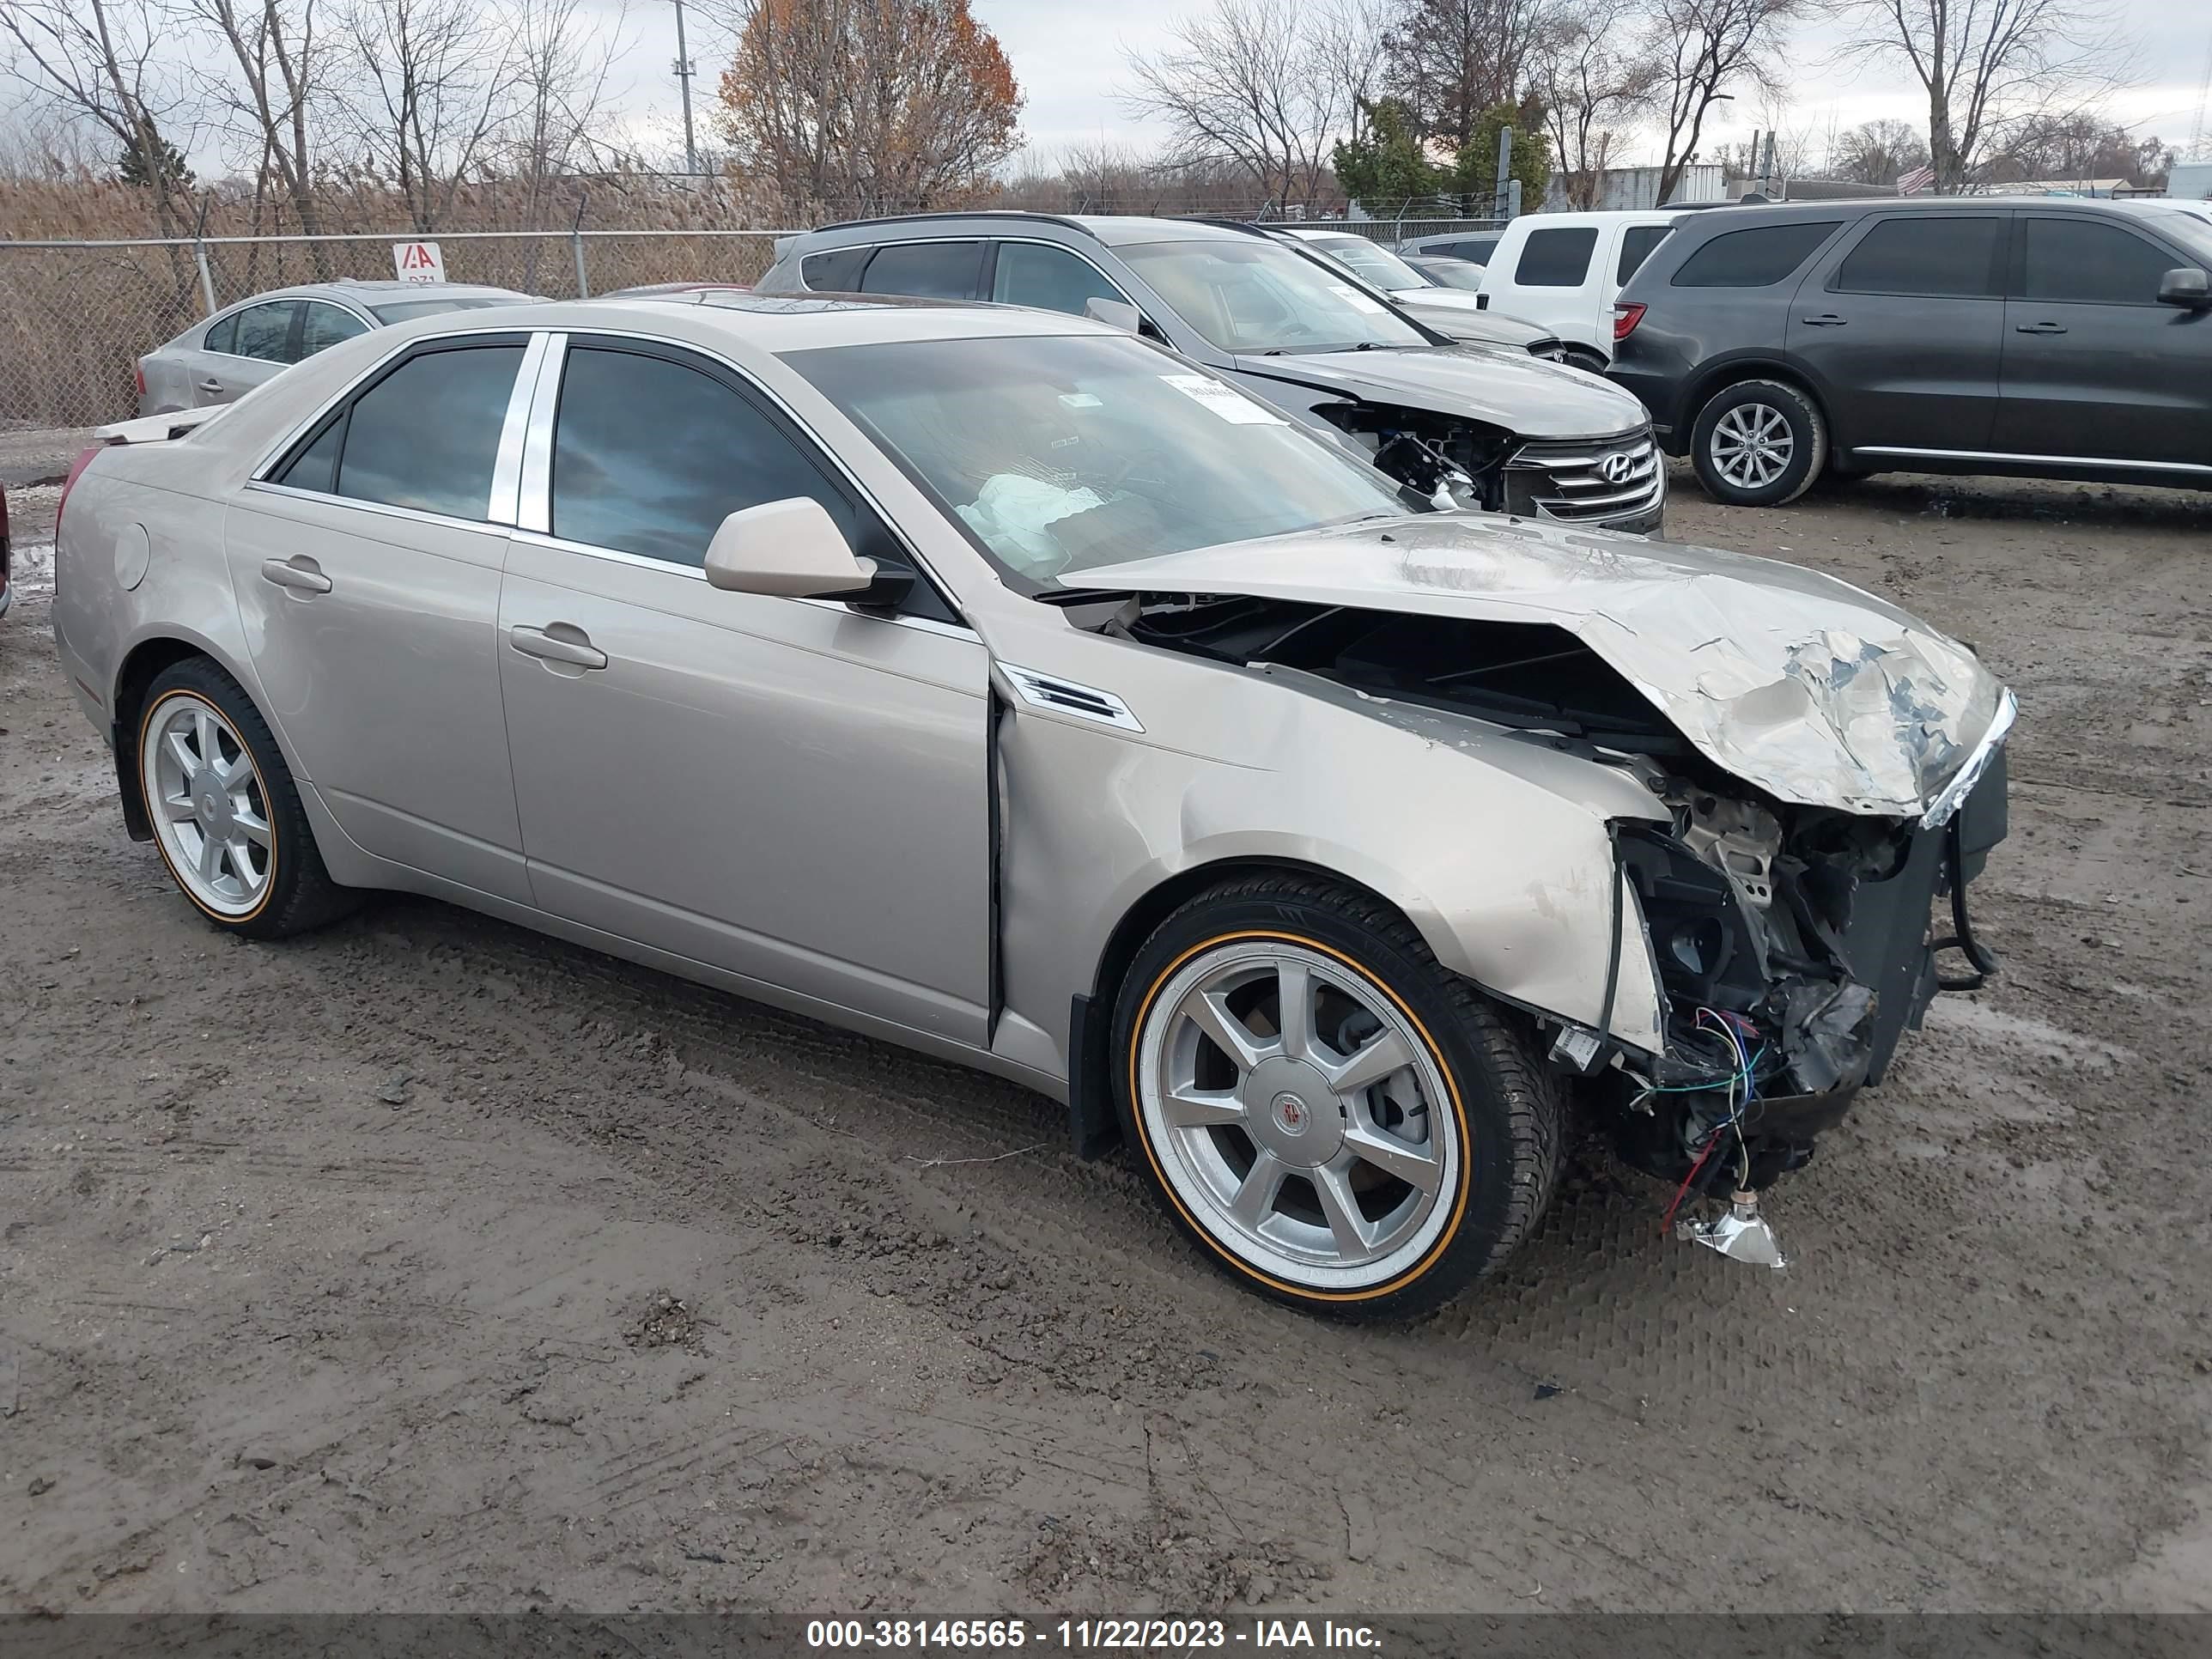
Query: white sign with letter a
[{"x": 418, "y": 262}]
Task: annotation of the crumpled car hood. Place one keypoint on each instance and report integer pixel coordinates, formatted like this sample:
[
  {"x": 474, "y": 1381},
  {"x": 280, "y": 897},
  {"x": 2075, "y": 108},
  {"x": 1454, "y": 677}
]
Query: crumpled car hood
[
  {"x": 1527, "y": 396},
  {"x": 1801, "y": 685}
]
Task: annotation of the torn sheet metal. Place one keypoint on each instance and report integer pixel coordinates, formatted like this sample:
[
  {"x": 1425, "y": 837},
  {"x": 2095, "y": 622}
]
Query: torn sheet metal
[{"x": 1805, "y": 686}]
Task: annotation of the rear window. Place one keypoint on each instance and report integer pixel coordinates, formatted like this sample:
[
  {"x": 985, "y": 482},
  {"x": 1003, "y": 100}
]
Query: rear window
[
  {"x": 1636, "y": 245},
  {"x": 1556, "y": 258},
  {"x": 1926, "y": 256},
  {"x": 1755, "y": 258}
]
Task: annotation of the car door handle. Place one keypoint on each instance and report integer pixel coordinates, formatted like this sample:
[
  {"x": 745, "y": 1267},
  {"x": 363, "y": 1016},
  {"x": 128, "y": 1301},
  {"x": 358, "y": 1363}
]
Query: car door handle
[
  {"x": 2039, "y": 328},
  {"x": 1825, "y": 320},
  {"x": 577, "y": 652},
  {"x": 210, "y": 385},
  {"x": 300, "y": 574}
]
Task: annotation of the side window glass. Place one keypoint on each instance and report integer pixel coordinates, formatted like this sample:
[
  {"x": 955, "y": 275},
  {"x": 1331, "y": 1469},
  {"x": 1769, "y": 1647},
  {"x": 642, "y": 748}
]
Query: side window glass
[
  {"x": 1555, "y": 258},
  {"x": 426, "y": 435},
  {"x": 1049, "y": 278},
  {"x": 2091, "y": 264},
  {"x": 223, "y": 336},
  {"x": 264, "y": 332},
  {"x": 649, "y": 457},
  {"x": 1926, "y": 256},
  {"x": 1636, "y": 245},
  {"x": 322, "y": 326},
  {"x": 1753, "y": 259},
  {"x": 316, "y": 467},
  {"x": 837, "y": 271},
  {"x": 928, "y": 271}
]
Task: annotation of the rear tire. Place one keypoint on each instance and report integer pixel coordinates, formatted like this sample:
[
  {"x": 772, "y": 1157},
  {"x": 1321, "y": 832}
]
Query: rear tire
[
  {"x": 1395, "y": 1143},
  {"x": 1758, "y": 443},
  {"x": 226, "y": 814}
]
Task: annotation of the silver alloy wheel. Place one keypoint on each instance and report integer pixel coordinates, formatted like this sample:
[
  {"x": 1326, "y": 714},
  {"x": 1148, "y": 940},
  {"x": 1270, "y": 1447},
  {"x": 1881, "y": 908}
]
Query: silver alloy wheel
[
  {"x": 1297, "y": 1114},
  {"x": 1750, "y": 446},
  {"x": 208, "y": 806}
]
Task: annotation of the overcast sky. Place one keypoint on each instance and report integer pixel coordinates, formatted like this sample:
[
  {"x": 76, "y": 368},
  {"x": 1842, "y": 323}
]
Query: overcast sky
[{"x": 1068, "y": 57}]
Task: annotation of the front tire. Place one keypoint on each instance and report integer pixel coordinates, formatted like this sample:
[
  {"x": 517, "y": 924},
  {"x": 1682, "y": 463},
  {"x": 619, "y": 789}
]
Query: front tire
[
  {"x": 1339, "y": 1122},
  {"x": 1758, "y": 443},
  {"x": 226, "y": 814}
]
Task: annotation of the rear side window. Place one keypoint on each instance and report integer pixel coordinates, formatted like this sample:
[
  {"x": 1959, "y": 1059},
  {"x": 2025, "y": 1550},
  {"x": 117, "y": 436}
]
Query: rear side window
[
  {"x": 1926, "y": 256},
  {"x": 316, "y": 467},
  {"x": 1049, "y": 278},
  {"x": 426, "y": 435},
  {"x": 223, "y": 336},
  {"x": 650, "y": 456},
  {"x": 837, "y": 271},
  {"x": 2081, "y": 261},
  {"x": 1476, "y": 253},
  {"x": 1555, "y": 258},
  {"x": 1753, "y": 259},
  {"x": 929, "y": 270},
  {"x": 1636, "y": 245}
]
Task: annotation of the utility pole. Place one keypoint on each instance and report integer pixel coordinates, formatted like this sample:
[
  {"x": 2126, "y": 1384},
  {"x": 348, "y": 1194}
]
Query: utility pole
[{"x": 685, "y": 69}]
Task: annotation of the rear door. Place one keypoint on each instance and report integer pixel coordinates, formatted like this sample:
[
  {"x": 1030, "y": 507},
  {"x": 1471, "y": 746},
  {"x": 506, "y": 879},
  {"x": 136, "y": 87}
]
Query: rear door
[
  {"x": 2094, "y": 367},
  {"x": 367, "y": 567},
  {"x": 1902, "y": 326}
]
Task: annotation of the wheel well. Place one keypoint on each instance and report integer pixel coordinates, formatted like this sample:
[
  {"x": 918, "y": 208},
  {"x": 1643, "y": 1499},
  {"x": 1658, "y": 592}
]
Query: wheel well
[
  {"x": 146, "y": 661},
  {"x": 1093, "y": 1122},
  {"x": 1735, "y": 374}
]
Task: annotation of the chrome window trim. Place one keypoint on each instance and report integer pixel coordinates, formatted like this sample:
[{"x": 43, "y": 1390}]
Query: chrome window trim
[
  {"x": 2039, "y": 461},
  {"x": 534, "y": 500},
  {"x": 277, "y": 451},
  {"x": 506, "y": 462},
  {"x": 538, "y": 442},
  {"x": 413, "y": 514},
  {"x": 693, "y": 573}
]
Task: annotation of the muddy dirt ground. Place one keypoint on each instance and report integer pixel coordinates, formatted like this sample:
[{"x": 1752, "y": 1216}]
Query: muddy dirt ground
[{"x": 427, "y": 1264}]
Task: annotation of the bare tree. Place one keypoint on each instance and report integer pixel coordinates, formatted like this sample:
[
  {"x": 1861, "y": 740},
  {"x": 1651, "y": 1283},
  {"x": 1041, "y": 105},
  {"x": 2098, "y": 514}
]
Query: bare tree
[
  {"x": 1246, "y": 83},
  {"x": 1593, "y": 85},
  {"x": 430, "y": 94},
  {"x": 1454, "y": 61},
  {"x": 1349, "y": 41},
  {"x": 273, "y": 86},
  {"x": 102, "y": 62},
  {"x": 1989, "y": 67},
  {"x": 562, "y": 75},
  {"x": 1701, "y": 48},
  {"x": 1878, "y": 152}
]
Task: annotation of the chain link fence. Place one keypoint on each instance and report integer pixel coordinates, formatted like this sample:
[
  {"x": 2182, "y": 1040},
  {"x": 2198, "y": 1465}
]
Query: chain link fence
[{"x": 75, "y": 317}]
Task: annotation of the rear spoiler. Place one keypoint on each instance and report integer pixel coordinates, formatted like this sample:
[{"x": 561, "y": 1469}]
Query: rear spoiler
[{"x": 157, "y": 428}]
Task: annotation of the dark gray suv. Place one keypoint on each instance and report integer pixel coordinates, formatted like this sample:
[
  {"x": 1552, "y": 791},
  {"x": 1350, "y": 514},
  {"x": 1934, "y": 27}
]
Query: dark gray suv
[
  {"x": 1465, "y": 425},
  {"x": 2039, "y": 336}
]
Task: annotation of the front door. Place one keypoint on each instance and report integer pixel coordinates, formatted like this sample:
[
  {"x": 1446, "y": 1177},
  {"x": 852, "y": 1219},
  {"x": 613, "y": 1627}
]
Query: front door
[
  {"x": 783, "y": 788},
  {"x": 2094, "y": 367},
  {"x": 1903, "y": 328},
  {"x": 366, "y": 573}
]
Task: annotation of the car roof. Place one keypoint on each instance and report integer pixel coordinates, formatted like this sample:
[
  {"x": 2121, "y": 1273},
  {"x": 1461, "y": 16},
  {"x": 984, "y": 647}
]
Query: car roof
[
  {"x": 365, "y": 292},
  {"x": 1109, "y": 229},
  {"x": 777, "y": 322}
]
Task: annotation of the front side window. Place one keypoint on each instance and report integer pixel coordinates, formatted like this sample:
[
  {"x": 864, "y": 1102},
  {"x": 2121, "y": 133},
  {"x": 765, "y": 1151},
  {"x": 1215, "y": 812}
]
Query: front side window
[
  {"x": 1048, "y": 279},
  {"x": 264, "y": 332},
  {"x": 1061, "y": 454},
  {"x": 650, "y": 456},
  {"x": 426, "y": 435},
  {"x": 1249, "y": 294},
  {"x": 2081, "y": 261},
  {"x": 1555, "y": 258},
  {"x": 322, "y": 326},
  {"x": 1926, "y": 256},
  {"x": 927, "y": 270},
  {"x": 1753, "y": 259}
]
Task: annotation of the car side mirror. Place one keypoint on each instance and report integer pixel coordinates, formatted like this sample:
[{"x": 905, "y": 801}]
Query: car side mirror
[
  {"x": 1114, "y": 313},
  {"x": 792, "y": 549},
  {"x": 2188, "y": 286}
]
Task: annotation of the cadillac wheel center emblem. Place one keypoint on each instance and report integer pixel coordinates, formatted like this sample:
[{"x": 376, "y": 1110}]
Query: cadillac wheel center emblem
[
  {"x": 1292, "y": 1114},
  {"x": 1616, "y": 467}
]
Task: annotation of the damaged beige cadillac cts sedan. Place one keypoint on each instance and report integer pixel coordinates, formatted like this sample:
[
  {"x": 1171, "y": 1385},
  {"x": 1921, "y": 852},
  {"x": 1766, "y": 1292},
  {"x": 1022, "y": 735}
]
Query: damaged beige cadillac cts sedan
[{"x": 1001, "y": 685}]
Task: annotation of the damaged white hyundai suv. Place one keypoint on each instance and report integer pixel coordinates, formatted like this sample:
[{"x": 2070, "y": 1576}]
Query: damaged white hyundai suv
[{"x": 999, "y": 684}]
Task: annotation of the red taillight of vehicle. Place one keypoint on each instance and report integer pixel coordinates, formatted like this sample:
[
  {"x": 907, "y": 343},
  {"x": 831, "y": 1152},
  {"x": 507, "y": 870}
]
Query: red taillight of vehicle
[
  {"x": 5, "y": 562},
  {"x": 139, "y": 375},
  {"x": 1626, "y": 313},
  {"x": 76, "y": 472}
]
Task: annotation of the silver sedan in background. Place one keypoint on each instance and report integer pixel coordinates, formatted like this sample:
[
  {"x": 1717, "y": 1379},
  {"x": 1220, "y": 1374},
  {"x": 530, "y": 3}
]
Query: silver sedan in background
[
  {"x": 1003, "y": 685},
  {"x": 239, "y": 347}
]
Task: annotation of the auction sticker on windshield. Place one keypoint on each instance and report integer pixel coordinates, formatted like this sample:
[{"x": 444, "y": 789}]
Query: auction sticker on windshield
[
  {"x": 1229, "y": 404},
  {"x": 1354, "y": 297}
]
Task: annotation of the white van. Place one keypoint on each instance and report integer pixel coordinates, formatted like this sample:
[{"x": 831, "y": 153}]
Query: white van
[{"x": 1563, "y": 270}]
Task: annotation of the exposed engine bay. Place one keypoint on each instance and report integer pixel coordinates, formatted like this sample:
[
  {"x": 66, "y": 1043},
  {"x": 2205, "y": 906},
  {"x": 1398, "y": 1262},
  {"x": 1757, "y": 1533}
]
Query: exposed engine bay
[
  {"x": 1793, "y": 943},
  {"x": 1449, "y": 461}
]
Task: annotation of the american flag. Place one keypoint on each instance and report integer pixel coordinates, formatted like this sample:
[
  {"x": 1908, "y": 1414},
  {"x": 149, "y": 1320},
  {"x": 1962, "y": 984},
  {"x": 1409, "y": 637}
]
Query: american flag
[{"x": 1916, "y": 181}]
